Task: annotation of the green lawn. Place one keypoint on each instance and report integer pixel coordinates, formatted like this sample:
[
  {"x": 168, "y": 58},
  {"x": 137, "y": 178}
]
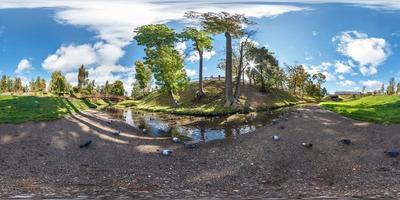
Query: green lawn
[
  {"x": 378, "y": 109},
  {"x": 18, "y": 109}
]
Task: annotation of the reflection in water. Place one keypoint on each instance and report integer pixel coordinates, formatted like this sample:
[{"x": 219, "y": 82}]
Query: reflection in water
[{"x": 194, "y": 128}]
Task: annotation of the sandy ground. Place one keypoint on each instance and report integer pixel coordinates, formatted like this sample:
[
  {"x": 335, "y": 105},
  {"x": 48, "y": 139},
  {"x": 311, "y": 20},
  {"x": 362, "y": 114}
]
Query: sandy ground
[{"x": 43, "y": 160}]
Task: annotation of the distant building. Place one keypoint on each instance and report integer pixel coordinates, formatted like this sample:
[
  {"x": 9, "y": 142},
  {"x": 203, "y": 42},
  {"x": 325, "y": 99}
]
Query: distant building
[{"x": 347, "y": 93}]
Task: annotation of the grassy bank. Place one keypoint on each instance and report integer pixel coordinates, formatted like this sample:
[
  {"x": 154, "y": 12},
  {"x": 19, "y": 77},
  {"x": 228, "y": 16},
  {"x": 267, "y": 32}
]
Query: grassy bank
[
  {"x": 378, "y": 109},
  {"x": 213, "y": 103},
  {"x": 18, "y": 109}
]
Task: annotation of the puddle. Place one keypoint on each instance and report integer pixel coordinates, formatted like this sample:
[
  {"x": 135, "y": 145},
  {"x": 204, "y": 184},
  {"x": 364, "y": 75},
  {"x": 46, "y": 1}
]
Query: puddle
[{"x": 194, "y": 128}]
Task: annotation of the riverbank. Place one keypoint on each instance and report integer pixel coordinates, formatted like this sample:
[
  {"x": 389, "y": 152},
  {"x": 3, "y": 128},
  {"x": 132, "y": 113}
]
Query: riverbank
[
  {"x": 51, "y": 164},
  {"x": 213, "y": 102}
]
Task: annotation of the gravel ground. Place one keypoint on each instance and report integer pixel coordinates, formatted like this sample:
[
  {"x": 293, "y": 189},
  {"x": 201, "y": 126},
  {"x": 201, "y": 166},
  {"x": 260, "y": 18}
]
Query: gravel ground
[{"x": 43, "y": 160}]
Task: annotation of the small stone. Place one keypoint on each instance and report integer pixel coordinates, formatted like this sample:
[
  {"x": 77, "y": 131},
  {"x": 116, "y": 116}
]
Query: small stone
[
  {"x": 392, "y": 153},
  {"x": 276, "y": 138},
  {"x": 345, "y": 141},
  {"x": 307, "y": 145}
]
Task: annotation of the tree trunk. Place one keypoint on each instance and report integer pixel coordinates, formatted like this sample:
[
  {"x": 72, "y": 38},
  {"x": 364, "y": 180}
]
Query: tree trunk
[
  {"x": 200, "y": 93},
  {"x": 174, "y": 101},
  {"x": 239, "y": 73},
  {"x": 228, "y": 71},
  {"x": 243, "y": 78}
]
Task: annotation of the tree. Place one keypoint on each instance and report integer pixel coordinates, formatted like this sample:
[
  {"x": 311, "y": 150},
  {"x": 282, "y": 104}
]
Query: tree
[
  {"x": 201, "y": 42},
  {"x": 18, "y": 88},
  {"x": 143, "y": 75},
  {"x": 117, "y": 88},
  {"x": 58, "y": 83},
  {"x": 169, "y": 71},
  {"x": 231, "y": 25},
  {"x": 382, "y": 91},
  {"x": 265, "y": 65},
  {"x": 245, "y": 46},
  {"x": 82, "y": 77},
  {"x": 3, "y": 84},
  {"x": 165, "y": 61},
  {"x": 398, "y": 88},
  {"x": 390, "y": 87}
]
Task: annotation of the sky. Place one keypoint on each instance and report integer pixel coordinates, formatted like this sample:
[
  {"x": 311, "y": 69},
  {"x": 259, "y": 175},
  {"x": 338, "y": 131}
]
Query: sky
[{"x": 354, "y": 43}]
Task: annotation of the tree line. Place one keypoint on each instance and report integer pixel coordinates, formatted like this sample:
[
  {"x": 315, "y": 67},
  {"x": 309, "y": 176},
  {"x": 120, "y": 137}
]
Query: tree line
[{"x": 166, "y": 65}]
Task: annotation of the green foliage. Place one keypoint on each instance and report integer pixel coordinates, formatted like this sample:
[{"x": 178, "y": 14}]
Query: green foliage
[
  {"x": 390, "y": 87},
  {"x": 17, "y": 87},
  {"x": 222, "y": 22},
  {"x": 117, "y": 88},
  {"x": 164, "y": 60},
  {"x": 201, "y": 40},
  {"x": 143, "y": 76},
  {"x": 58, "y": 83},
  {"x": 37, "y": 85},
  {"x": 168, "y": 70},
  {"x": 379, "y": 109},
  {"x": 155, "y": 35},
  {"x": 82, "y": 78}
]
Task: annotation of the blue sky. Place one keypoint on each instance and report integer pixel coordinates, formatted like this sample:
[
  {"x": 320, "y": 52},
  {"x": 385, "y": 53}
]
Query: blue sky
[{"x": 355, "y": 43}]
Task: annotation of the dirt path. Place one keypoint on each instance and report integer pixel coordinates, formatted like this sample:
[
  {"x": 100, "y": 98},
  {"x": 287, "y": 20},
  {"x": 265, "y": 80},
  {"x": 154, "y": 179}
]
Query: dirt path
[{"x": 44, "y": 160}]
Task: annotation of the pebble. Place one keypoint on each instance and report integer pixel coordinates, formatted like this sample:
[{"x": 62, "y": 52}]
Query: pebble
[
  {"x": 276, "y": 138},
  {"x": 166, "y": 152},
  {"x": 176, "y": 140}
]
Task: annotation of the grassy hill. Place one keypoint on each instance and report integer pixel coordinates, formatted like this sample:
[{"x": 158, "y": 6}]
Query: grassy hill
[
  {"x": 379, "y": 109},
  {"x": 213, "y": 102},
  {"x": 18, "y": 109}
]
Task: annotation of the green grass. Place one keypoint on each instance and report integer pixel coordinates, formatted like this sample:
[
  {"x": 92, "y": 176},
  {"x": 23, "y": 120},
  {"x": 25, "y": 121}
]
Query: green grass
[
  {"x": 18, "y": 109},
  {"x": 378, "y": 109},
  {"x": 213, "y": 103}
]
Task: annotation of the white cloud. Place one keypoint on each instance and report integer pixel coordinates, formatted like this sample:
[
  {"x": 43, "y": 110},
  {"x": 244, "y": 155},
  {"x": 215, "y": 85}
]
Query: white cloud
[
  {"x": 341, "y": 77},
  {"x": 70, "y": 58},
  {"x": 329, "y": 76},
  {"x": 347, "y": 83},
  {"x": 108, "y": 53},
  {"x": 368, "y": 52},
  {"x": 342, "y": 68},
  {"x": 23, "y": 65},
  {"x": 181, "y": 47},
  {"x": 372, "y": 84},
  {"x": 366, "y": 71},
  {"x": 322, "y": 68},
  {"x": 194, "y": 56},
  {"x": 308, "y": 57},
  {"x": 190, "y": 72}
]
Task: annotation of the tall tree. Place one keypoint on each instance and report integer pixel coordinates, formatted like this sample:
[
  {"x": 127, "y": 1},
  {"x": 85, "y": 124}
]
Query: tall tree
[
  {"x": 117, "y": 88},
  {"x": 231, "y": 25},
  {"x": 3, "y": 84},
  {"x": 390, "y": 87},
  {"x": 143, "y": 75},
  {"x": 18, "y": 85},
  {"x": 82, "y": 77},
  {"x": 201, "y": 42},
  {"x": 58, "y": 83},
  {"x": 165, "y": 61},
  {"x": 398, "y": 88},
  {"x": 245, "y": 46}
]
